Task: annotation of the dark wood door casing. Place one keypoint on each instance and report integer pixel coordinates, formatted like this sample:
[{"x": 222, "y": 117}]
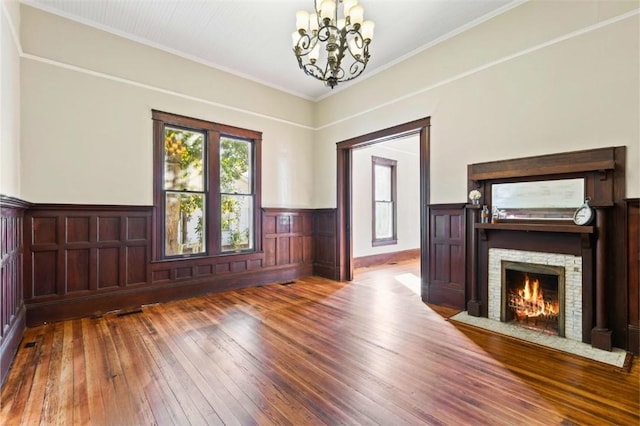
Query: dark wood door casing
[
  {"x": 633, "y": 274},
  {"x": 344, "y": 244}
]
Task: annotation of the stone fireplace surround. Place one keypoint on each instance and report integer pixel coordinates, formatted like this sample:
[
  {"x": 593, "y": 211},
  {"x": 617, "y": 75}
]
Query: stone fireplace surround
[{"x": 573, "y": 284}]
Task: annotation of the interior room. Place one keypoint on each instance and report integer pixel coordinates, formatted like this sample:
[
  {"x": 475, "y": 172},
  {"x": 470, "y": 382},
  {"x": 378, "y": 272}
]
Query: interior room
[{"x": 204, "y": 222}]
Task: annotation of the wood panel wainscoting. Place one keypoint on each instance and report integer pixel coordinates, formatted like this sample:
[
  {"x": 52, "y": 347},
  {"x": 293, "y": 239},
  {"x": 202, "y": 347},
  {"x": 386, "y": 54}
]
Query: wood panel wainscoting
[
  {"x": 87, "y": 259},
  {"x": 446, "y": 276},
  {"x": 12, "y": 309},
  {"x": 325, "y": 240}
]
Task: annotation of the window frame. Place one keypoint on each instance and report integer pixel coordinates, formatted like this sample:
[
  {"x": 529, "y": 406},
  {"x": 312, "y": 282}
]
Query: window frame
[
  {"x": 393, "y": 166},
  {"x": 213, "y": 133}
]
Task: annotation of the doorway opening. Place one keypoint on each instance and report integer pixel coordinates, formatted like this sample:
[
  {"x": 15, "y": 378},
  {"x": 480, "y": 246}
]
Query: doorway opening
[
  {"x": 345, "y": 244},
  {"x": 386, "y": 203}
]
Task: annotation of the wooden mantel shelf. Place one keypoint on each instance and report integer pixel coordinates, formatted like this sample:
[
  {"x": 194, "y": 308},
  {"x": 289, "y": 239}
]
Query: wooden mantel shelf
[{"x": 537, "y": 227}]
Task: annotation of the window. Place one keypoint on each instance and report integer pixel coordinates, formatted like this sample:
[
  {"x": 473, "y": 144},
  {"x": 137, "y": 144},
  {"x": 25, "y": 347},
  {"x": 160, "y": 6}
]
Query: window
[
  {"x": 206, "y": 187},
  {"x": 384, "y": 201}
]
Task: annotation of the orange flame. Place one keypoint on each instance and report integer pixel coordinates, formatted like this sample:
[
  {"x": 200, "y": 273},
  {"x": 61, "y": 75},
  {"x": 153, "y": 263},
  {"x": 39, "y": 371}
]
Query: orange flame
[{"x": 530, "y": 301}]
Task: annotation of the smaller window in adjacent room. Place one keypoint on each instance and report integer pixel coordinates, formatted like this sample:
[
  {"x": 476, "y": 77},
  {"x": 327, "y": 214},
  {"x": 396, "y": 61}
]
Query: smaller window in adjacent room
[{"x": 384, "y": 201}]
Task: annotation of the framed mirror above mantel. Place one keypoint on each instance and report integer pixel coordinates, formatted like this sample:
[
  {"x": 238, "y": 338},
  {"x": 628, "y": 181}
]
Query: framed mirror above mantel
[
  {"x": 539, "y": 196},
  {"x": 551, "y": 187}
]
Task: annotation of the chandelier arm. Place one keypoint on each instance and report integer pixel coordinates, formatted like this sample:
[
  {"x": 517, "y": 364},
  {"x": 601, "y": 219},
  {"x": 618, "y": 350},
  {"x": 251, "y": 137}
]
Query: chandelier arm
[
  {"x": 305, "y": 45},
  {"x": 356, "y": 69},
  {"x": 324, "y": 33},
  {"x": 315, "y": 71}
]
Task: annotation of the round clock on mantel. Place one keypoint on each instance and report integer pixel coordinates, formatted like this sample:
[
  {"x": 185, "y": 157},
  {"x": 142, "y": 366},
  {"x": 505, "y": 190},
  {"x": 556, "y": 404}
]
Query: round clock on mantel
[{"x": 584, "y": 214}]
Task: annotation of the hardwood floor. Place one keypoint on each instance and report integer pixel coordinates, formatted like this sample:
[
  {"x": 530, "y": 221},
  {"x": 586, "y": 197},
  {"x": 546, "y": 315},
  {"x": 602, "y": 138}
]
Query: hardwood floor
[{"x": 313, "y": 352}]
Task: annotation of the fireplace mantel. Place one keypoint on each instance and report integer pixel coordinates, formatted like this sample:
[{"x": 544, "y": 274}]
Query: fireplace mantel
[
  {"x": 536, "y": 227},
  {"x": 599, "y": 245}
]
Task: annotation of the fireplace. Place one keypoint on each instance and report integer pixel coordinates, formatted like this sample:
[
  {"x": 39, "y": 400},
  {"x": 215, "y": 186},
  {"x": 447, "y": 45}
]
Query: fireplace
[
  {"x": 549, "y": 269},
  {"x": 593, "y": 256},
  {"x": 532, "y": 296}
]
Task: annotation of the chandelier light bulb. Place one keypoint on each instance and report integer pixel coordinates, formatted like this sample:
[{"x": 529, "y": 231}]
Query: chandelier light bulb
[
  {"x": 302, "y": 20},
  {"x": 356, "y": 50},
  {"x": 347, "y": 5},
  {"x": 313, "y": 22},
  {"x": 327, "y": 9},
  {"x": 367, "y": 30},
  {"x": 315, "y": 53},
  {"x": 357, "y": 15}
]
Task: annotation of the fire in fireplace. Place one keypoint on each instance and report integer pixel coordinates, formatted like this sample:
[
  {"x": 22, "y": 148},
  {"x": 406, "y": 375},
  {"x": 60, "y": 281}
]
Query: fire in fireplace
[{"x": 533, "y": 296}]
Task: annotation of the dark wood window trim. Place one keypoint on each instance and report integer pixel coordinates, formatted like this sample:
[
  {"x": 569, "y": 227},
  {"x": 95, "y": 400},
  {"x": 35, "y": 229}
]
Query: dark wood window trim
[
  {"x": 213, "y": 133},
  {"x": 392, "y": 165}
]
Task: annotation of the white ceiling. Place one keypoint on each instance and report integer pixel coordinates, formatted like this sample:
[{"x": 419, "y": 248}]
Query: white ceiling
[{"x": 252, "y": 38}]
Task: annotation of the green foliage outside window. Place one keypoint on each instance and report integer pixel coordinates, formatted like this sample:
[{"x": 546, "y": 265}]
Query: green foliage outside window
[
  {"x": 235, "y": 186},
  {"x": 184, "y": 182}
]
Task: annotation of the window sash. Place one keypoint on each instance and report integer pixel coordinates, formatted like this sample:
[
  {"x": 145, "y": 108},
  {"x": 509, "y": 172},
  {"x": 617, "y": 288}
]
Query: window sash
[
  {"x": 384, "y": 220},
  {"x": 184, "y": 223},
  {"x": 236, "y": 226},
  {"x": 184, "y": 153}
]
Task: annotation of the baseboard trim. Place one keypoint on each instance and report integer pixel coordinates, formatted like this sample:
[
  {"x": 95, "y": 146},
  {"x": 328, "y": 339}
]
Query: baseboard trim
[
  {"x": 633, "y": 339},
  {"x": 11, "y": 343},
  {"x": 98, "y": 304},
  {"x": 326, "y": 271},
  {"x": 380, "y": 259}
]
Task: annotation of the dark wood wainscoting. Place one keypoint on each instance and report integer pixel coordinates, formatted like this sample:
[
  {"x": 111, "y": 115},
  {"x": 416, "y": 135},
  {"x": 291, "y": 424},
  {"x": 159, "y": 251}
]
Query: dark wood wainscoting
[
  {"x": 633, "y": 273},
  {"x": 12, "y": 310},
  {"x": 287, "y": 237},
  {"x": 325, "y": 262},
  {"x": 446, "y": 276},
  {"x": 87, "y": 260}
]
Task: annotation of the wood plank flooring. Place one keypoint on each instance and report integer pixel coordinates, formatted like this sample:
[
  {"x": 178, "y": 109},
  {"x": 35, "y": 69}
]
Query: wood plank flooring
[{"x": 314, "y": 352}]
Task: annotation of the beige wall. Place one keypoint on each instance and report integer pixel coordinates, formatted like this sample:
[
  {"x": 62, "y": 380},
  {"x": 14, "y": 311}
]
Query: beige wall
[
  {"x": 544, "y": 77},
  {"x": 87, "y": 98},
  {"x": 10, "y": 99},
  {"x": 406, "y": 152}
]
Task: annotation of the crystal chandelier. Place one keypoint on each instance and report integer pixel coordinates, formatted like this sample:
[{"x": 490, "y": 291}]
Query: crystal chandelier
[{"x": 343, "y": 42}]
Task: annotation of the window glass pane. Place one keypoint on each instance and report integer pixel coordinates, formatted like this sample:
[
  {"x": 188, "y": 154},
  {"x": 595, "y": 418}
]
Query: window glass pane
[
  {"x": 384, "y": 220},
  {"x": 235, "y": 166},
  {"x": 183, "y": 160},
  {"x": 184, "y": 224},
  {"x": 383, "y": 182},
  {"x": 237, "y": 222}
]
